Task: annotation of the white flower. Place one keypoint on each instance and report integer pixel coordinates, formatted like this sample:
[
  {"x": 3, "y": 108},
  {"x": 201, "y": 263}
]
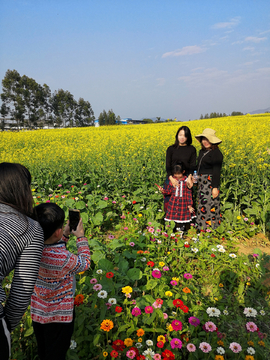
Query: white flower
[
  {"x": 220, "y": 350},
  {"x": 194, "y": 250},
  {"x": 149, "y": 342},
  {"x": 138, "y": 345},
  {"x": 186, "y": 243},
  {"x": 232, "y": 256},
  {"x": 159, "y": 210},
  {"x": 159, "y": 241},
  {"x": 102, "y": 294},
  {"x": 174, "y": 313},
  {"x": 73, "y": 344},
  {"x": 194, "y": 239},
  {"x": 156, "y": 269},
  {"x": 250, "y": 312},
  {"x": 8, "y": 286},
  {"x": 98, "y": 185},
  {"x": 250, "y": 351},
  {"x": 143, "y": 259},
  {"x": 213, "y": 249},
  {"x": 225, "y": 312},
  {"x": 221, "y": 250},
  {"x": 141, "y": 207},
  {"x": 257, "y": 265},
  {"x": 76, "y": 198},
  {"x": 211, "y": 311},
  {"x": 149, "y": 352},
  {"x": 156, "y": 192},
  {"x": 220, "y": 246},
  {"x": 245, "y": 263},
  {"x": 99, "y": 271},
  {"x": 172, "y": 234},
  {"x": 112, "y": 301},
  {"x": 262, "y": 312}
]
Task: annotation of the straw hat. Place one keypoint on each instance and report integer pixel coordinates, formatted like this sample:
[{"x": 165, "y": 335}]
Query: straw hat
[{"x": 210, "y": 135}]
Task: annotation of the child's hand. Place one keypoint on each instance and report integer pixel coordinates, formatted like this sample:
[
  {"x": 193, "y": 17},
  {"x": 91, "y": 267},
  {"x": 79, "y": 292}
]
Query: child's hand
[
  {"x": 79, "y": 232},
  {"x": 161, "y": 189},
  {"x": 66, "y": 231},
  {"x": 191, "y": 209},
  {"x": 189, "y": 181}
]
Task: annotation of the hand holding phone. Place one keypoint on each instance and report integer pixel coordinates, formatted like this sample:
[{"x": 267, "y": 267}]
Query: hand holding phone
[
  {"x": 74, "y": 218},
  {"x": 159, "y": 188}
]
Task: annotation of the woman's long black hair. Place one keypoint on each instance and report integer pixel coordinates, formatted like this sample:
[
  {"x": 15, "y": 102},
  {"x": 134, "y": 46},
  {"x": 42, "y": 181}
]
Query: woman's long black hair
[
  {"x": 187, "y": 135},
  {"x": 15, "y": 191}
]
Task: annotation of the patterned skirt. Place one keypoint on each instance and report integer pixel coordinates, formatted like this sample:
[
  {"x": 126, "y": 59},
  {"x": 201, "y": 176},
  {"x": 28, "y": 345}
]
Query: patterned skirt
[{"x": 208, "y": 210}]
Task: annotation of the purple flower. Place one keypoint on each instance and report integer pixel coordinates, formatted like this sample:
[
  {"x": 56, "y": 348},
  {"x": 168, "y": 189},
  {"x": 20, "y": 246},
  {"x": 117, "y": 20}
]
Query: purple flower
[
  {"x": 188, "y": 276},
  {"x": 176, "y": 343},
  {"x": 194, "y": 321},
  {"x": 136, "y": 311},
  {"x": 252, "y": 223},
  {"x": 156, "y": 274},
  {"x": 132, "y": 243}
]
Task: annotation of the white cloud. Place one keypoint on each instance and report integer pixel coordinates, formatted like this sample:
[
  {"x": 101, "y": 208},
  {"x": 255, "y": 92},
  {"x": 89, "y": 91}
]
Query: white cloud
[
  {"x": 264, "y": 32},
  {"x": 255, "y": 39},
  {"x": 249, "y": 48},
  {"x": 206, "y": 77},
  {"x": 187, "y": 50},
  {"x": 227, "y": 25}
]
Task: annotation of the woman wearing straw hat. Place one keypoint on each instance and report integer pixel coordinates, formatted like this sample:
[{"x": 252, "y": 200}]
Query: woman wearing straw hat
[{"x": 209, "y": 168}]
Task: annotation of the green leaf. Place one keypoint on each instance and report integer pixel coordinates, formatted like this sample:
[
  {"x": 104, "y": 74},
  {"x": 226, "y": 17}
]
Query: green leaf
[
  {"x": 134, "y": 274},
  {"x": 105, "y": 264},
  {"x": 96, "y": 339},
  {"x": 97, "y": 219},
  {"x": 80, "y": 205},
  {"x": 97, "y": 255},
  {"x": 29, "y": 331},
  {"x": 84, "y": 217},
  {"x": 102, "y": 204},
  {"x": 151, "y": 284}
]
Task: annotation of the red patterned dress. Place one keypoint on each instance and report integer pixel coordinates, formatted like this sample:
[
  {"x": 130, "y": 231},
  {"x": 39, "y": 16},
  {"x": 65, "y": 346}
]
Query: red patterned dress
[{"x": 180, "y": 200}]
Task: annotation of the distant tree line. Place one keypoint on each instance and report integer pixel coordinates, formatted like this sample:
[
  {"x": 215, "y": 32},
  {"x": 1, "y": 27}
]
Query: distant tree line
[
  {"x": 30, "y": 105},
  {"x": 108, "y": 118},
  {"x": 217, "y": 115}
]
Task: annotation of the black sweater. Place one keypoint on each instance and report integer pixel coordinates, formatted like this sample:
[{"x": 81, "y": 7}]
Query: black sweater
[
  {"x": 210, "y": 164},
  {"x": 184, "y": 154}
]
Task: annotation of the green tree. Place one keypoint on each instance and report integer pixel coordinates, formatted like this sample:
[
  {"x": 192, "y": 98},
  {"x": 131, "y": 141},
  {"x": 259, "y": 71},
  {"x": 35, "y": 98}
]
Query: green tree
[
  {"x": 84, "y": 115},
  {"x": 63, "y": 106},
  {"x": 148, "y": 120}
]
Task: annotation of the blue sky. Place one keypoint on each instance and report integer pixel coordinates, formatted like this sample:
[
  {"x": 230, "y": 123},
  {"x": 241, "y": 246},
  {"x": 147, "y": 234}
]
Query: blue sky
[{"x": 144, "y": 58}]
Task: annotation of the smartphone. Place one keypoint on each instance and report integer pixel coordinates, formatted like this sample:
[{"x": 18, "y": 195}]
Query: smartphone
[{"x": 74, "y": 218}]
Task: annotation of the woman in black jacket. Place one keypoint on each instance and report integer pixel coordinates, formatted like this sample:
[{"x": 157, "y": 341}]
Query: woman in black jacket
[
  {"x": 209, "y": 165},
  {"x": 21, "y": 245}
]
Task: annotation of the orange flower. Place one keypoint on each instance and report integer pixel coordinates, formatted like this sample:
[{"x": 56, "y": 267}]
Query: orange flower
[
  {"x": 140, "y": 332},
  {"x": 186, "y": 290},
  {"x": 106, "y": 325},
  {"x": 78, "y": 299},
  {"x": 139, "y": 252}
]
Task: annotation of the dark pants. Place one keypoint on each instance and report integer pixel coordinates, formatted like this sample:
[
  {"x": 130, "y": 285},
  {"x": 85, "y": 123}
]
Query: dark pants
[
  {"x": 53, "y": 339},
  {"x": 4, "y": 340}
]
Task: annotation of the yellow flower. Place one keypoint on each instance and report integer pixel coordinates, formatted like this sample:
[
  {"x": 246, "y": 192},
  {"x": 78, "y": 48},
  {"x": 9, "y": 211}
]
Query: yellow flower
[
  {"x": 219, "y": 357},
  {"x": 33, "y": 190},
  {"x": 169, "y": 252},
  {"x": 249, "y": 357},
  {"x": 106, "y": 325},
  {"x": 216, "y": 298},
  {"x": 127, "y": 290},
  {"x": 161, "y": 338},
  {"x": 175, "y": 279},
  {"x": 250, "y": 343},
  {"x": 140, "y": 215},
  {"x": 238, "y": 217},
  {"x": 128, "y": 342},
  {"x": 168, "y": 293},
  {"x": 169, "y": 327},
  {"x": 105, "y": 354},
  {"x": 80, "y": 273},
  {"x": 220, "y": 285},
  {"x": 140, "y": 340},
  {"x": 261, "y": 343},
  {"x": 220, "y": 343},
  {"x": 248, "y": 284},
  {"x": 161, "y": 263}
]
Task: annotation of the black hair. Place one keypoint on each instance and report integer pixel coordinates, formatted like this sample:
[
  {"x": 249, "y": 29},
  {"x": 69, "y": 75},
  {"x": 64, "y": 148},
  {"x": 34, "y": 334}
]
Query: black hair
[
  {"x": 51, "y": 218},
  {"x": 15, "y": 191},
  {"x": 178, "y": 169},
  {"x": 212, "y": 146},
  {"x": 187, "y": 135}
]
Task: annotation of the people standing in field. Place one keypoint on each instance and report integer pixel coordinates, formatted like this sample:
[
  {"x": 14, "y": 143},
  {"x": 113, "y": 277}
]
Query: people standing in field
[
  {"x": 181, "y": 151},
  {"x": 52, "y": 302},
  {"x": 21, "y": 245},
  {"x": 180, "y": 207},
  {"x": 209, "y": 165}
]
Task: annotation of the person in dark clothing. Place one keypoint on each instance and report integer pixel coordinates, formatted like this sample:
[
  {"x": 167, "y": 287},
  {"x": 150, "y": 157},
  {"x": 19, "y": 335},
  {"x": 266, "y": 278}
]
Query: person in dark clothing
[
  {"x": 209, "y": 168},
  {"x": 180, "y": 152}
]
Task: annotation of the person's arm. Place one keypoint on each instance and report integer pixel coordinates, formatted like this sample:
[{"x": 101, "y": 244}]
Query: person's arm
[
  {"x": 217, "y": 164},
  {"x": 169, "y": 161},
  {"x": 24, "y": 279}
]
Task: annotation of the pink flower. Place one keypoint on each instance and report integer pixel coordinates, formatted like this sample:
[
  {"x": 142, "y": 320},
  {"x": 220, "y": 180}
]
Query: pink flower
[
  {"x": 173, "y": 283},
  {"x": 135, "y": 219},
  {"x": 68, "y": 191},
  {"x": 47, "y": 201},
  {"x": 166, "y": 268},
  {"x": 251, "y": 326},
  {"x": 205, "y": 347},
  {"x": 165, "y": 316},
  {"x": 210, "y": 326},
  {"x": 85, "y": 184},
  {"x": 176, "y": 343},
  {"x": 63, "y": 196},
  {"x": 245, "y": 219},
  {"x": 123, "y": 196},
  {"x": 128, "y": 296},
  {"x": 97, "y": 287},
  {"x": 151, "y": 230},
  {"x": 108, "y": 305},
  {"x": 60, "y": 185},
  {"x": 148, "y": 309},
  {"x": 194, "y": 321},
  {"x": 191, "y": 347},
  {"x": 132, "y": 243},
  {"x": 106, "y": 198},
  {"x": 111, "y": 237},
  {"x": 165, "y": 234},
  {"x": 133, "y": 302},
  {"x": 113, "y": 202},
  {"x": 255, "y": 255},
  {"x": 177, "y": 325},
  {"x": 188, "y": 276},
  {"x": 93, "y": 281},
  {"x": 149, "y": 223},
  {"x": 156, "y": 306},
  {"x": 136, "y": 311},
  {"x": 252, "y": 223},
  {"x": 131, "y": 354},
  {"x": 235, "y": 347},
  {"x": 156, "y": 274},
  {"x": 125, "y": 228},
  {"x": 157, "y": 357},
  {"x": 122, "y": 217}
]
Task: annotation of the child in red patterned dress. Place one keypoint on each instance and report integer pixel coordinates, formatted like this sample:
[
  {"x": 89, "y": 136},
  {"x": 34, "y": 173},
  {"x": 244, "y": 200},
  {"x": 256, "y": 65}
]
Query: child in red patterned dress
[
  {"x": 52, "y": 302},
  {"x": 180, "y": 208}
]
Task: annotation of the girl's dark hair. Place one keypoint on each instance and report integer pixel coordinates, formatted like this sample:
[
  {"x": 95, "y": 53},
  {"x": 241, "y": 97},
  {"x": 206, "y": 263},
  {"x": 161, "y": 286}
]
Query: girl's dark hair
[
  {"x": 51, "y": 218},
  {"x": 15, "y": 181},
  {"x": 213, "y": 146},
  {"x": 187, "y": 135},
  {"x": 178, "y": 169}
]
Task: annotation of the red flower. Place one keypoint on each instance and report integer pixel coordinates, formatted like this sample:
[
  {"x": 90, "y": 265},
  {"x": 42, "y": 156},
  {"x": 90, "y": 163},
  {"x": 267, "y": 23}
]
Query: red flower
[
  {"x": 135, "y": 349},
  {"x": 109, "y": 275},
  {"x": 184, "y": 308},
  {"x": 168, "y": 355},
  {"x": 213, "y": 255},
  {"x": 160, "y": 344},
  {"x": 151, "y": 263},
  {"x": 118, "y": 345},
  {"x": 78, "y": 299},
  {"x": 140, "y": 357},
  {"x": 118, "y": 309},
  {"x": 114, "y": 354},
  {"x": 178, "y": 303},
  {"x": 187, "y": 245},
  {"x": 133, "y": 202}
]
